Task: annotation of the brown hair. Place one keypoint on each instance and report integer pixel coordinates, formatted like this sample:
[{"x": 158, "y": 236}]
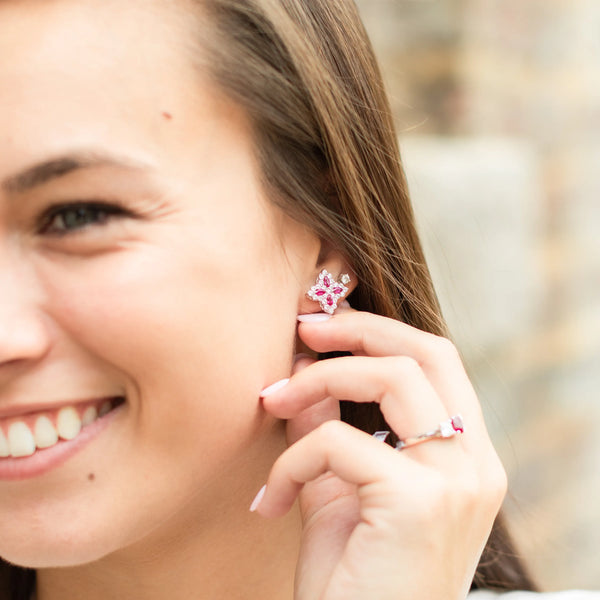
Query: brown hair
[{"x": 305, "y": 73}]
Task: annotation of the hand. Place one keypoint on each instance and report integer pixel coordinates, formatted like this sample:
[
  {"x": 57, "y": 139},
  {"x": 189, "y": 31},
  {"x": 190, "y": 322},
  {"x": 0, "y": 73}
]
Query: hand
[{"x": 381, "y": 523}]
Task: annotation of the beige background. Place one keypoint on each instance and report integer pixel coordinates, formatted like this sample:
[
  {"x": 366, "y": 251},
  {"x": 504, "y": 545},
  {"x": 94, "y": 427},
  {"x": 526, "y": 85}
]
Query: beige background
[{"x": 498, "y": 104}]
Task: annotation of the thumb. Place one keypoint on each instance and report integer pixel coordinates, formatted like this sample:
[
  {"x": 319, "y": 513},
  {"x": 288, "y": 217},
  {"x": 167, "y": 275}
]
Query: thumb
[{"x": 314, "y": 415}]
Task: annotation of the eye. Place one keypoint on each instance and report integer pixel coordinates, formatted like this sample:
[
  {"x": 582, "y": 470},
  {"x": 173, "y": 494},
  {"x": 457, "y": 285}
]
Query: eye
[{"x": 73, "y": 217}]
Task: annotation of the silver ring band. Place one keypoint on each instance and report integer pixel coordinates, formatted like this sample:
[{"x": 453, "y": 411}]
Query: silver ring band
[{"x": 445, "y": 430}]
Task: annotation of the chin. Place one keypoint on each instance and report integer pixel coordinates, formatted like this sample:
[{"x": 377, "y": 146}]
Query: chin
[
  {"x": 51, "y": 556},
  {"x": 49, "y": 549}
]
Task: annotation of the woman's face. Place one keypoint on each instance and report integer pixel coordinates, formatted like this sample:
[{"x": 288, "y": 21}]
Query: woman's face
[{"x": 173, "y": 284}]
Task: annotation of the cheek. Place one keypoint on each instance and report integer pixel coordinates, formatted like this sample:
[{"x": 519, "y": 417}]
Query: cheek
[{"x": 196, "y": 331}]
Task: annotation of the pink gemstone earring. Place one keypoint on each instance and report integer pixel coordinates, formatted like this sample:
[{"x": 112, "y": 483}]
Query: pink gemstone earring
[{"x": 327, "y": 291}]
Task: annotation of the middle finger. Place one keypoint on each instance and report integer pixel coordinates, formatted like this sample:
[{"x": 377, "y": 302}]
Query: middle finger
[{"x": 407, "y": 399}]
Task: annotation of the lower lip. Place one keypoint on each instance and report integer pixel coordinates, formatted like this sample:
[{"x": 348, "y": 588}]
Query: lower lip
[{"x": 43, "y": 461}]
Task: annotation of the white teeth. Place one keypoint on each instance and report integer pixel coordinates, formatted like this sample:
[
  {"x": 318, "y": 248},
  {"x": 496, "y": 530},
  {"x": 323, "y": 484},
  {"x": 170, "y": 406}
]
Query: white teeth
[
  {"x": 89, "y": 416},
  {"x": 44, "y": 433},
  {"x": 68, "y": 423},
  {"x": 20, "y": 440},
  {"x": 105, "y": 408},
  {"x": 4, "y": 449}
]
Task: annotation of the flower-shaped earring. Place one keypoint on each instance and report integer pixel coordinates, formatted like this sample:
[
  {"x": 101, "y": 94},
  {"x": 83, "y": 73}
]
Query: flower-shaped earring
[{"x": 327, "y": 291}]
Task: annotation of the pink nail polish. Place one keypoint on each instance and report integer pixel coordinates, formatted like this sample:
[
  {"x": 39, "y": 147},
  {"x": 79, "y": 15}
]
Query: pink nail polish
[
  {"x": 256, "y": 502},
  {"x": 314, "y": 318},
  {"x": 274, "y": 388}
]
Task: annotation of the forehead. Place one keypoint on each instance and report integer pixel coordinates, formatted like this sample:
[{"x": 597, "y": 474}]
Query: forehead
[
  {"x": 113, "y": 40},
  {"x": 83, "y": 68}
]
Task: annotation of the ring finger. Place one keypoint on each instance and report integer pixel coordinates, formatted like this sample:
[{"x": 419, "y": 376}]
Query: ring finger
[{"x": 407, "y": 399}]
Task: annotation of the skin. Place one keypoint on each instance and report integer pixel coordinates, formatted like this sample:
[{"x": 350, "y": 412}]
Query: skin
[
  {"x": 162, "y": 308},
  {"x": 186, "y": 305}
]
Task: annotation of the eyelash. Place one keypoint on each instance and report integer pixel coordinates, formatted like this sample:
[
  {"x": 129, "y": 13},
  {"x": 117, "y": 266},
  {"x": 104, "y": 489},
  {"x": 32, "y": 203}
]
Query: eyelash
[{"x": 102, "y": 211}]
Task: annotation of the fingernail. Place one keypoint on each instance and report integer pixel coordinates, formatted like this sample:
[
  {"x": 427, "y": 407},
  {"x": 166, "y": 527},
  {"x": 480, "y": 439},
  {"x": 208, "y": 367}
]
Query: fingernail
[
  {"x": 300, "y": 356},
  {"x": 314, "y": 318},
  {"x": 345, "y": 304},
  {"x": 274, "y": 388},
  {"x": 258, "y": 499}
]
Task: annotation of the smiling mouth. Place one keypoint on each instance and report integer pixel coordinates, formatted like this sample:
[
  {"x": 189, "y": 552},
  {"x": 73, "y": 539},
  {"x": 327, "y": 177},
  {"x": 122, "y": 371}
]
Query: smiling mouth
[{"x": 24, "y": 435}]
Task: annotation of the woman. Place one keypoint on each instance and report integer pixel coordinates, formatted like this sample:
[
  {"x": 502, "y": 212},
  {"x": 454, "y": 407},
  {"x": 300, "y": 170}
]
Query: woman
[{"x": 176, "y": 176}]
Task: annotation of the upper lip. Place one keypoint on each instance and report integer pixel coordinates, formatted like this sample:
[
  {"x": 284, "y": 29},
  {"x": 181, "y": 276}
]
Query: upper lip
[{"x": 18, "y": 410}]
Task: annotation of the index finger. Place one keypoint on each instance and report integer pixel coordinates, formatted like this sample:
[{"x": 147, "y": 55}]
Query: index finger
[{"x": 367, "y": 334}]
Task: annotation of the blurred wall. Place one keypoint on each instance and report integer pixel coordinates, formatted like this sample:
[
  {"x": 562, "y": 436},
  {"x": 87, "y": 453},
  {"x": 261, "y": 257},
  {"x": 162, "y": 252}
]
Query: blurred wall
[{"x": 498, "y": 105}]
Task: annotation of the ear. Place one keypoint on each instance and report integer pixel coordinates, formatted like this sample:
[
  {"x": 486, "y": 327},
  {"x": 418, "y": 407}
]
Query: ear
[{"x": 331, "y": 274}]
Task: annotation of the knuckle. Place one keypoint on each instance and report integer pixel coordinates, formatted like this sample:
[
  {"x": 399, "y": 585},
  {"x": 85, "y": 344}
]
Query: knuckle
[
  {"x": 405, "y": 365},
  {"x": 484, "y": 487},
  {"x": 502, "y": 488},
  {"x": 444, "y": 349},
  {"x": 365, "y": 327},
  {"x": 331, "y": 431},
  {"x": 497, "y": 483}
]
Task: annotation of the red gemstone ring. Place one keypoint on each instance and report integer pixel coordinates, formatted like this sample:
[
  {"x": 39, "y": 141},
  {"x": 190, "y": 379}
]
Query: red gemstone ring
[{"x": 446, "y": 429}]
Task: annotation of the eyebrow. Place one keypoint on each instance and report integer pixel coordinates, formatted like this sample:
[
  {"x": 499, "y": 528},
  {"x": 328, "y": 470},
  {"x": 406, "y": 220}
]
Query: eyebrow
[{"x": 54, "y": 168}]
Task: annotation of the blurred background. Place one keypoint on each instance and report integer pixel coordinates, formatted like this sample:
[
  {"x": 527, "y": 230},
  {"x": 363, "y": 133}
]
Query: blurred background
[{"x": 498, "y": 107}]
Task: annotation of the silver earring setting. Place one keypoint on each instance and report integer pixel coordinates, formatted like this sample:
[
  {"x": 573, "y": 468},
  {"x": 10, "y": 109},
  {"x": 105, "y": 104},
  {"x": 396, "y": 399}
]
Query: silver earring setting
[{"x": 327, "y": 291}]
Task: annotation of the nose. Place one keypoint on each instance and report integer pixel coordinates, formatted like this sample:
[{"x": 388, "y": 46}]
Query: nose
[
  {"x": 21, "y": 338},
  {"x": 23, "y": 334}
]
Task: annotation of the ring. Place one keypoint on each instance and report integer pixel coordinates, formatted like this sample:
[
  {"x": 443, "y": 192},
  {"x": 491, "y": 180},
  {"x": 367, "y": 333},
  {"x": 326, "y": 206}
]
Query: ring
[{"x": 445, "y": 430}]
